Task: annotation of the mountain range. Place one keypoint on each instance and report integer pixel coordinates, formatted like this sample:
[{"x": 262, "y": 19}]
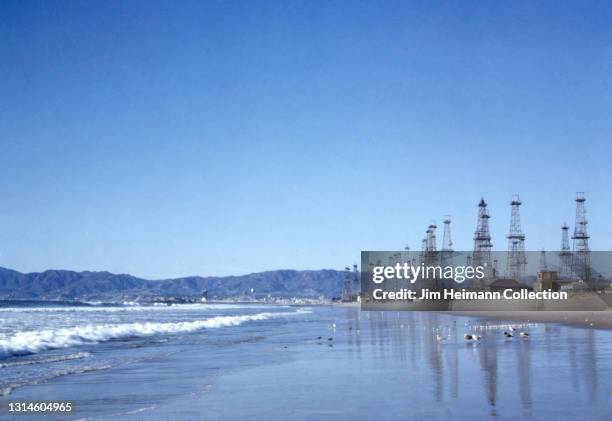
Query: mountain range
[{"x": 87, "y": 285}]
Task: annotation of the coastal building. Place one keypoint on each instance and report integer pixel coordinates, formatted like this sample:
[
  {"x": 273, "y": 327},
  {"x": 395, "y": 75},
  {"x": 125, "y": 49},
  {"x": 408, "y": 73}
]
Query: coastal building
[{"x": 547, "y": 280}]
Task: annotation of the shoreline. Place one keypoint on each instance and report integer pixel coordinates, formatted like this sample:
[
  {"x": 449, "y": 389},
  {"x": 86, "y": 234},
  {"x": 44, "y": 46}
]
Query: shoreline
[{"x": 584, "y": 319}]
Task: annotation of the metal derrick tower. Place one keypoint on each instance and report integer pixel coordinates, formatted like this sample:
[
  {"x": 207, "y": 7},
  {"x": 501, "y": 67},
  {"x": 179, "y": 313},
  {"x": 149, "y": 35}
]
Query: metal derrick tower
[
  {"x": 423, "y": 253},
  {"x": 346, "y": 284},
  {"x": 543, "y": 264},
  {"x": 517, "y": 261},
  {"x": 405, "y": 255},
  {"x": 482, "y": 241},
  {"x": 565, "y": 255},
  {"x": 447, "y": 243},
  {"x": 431, "y": 237},
  {"x": 430, "y": 245},
  {"x": 581, "y": 265},
  {"x": 356, "y": 280}
]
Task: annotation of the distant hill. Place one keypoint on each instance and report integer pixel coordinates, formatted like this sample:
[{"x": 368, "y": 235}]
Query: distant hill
[{"x": 70, "y": 285}]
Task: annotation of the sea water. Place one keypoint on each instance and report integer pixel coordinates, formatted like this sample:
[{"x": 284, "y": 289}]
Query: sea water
[{"x": 274, "y": 362}]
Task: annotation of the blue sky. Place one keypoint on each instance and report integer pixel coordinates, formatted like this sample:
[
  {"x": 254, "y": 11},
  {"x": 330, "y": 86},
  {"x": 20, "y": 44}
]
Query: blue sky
[{"x": 215, "y": 138}]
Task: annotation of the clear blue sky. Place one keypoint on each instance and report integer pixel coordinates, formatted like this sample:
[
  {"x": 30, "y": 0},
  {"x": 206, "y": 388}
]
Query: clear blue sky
[{"x": 176, "y": 138}]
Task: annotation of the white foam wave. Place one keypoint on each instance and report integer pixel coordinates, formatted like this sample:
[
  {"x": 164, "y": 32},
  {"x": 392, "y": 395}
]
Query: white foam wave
[{"x": 28, "y": 342}]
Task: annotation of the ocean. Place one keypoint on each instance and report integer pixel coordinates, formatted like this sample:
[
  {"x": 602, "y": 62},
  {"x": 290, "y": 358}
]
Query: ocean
[{"x": 230, "y": 362}]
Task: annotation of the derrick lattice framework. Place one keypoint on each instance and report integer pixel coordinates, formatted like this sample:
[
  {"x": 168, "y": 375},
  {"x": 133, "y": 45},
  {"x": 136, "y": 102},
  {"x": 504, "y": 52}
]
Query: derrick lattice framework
[
  {"x": 581, "y": 264},
  {"x": 565, "y": 255},
  {"x": 431, "y": 237},
  {"x": 543, "y": 264},
  {"x": 423, "y": 254},
  {"x": 447, "y": 243},
  {"x": 516, "y": 261},
  {"x": 356, "y": 280},
  {"x": 346, "y": 284},
  {"x": 482, "y": 241},
  {"x": 430, "y": 244}
]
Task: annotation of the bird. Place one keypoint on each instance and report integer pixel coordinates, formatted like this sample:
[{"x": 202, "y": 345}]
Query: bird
[
  {"x": 508, "y": 334},
  {"x": 471, "y": 337},
  {"x": 319, "y": 337},
  {"x": 511, "y": 328},
  {"x": 330, "y": 339},
  {"x": 524, "y": 334},
  {"x": 440, "y": 338}
]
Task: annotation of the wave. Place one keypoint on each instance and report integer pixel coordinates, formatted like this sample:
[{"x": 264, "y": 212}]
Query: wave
[
  {"x": 7, "y": 389},
  {"x": 31, "y": 342},
  {"x": 50, "y": 359}
]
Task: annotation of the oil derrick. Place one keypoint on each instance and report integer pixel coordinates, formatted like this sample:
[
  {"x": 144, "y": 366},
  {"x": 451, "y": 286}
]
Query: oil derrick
[
  {"x": 482, "y": 242},
  {"x": 430, "y": 246},
  {"x": 543, "y": 265},
  {"x": 410, "y": 257},
  {"x": 346, "y": 285},
  {"x": 447, "y": 243},
  {"x": 423, "y": 254},
  {"x": 517, "y": 261},
  {"x": 356, "y": 281},
  {"x": 581, "y": 264},
  {"x": 565, "y": 255},
  {"x": 431, "y": 253},
  {"x": 398, "y": 257},
  {"x": 406, "y": 255},
  {"x": 431, "y": 237}
]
